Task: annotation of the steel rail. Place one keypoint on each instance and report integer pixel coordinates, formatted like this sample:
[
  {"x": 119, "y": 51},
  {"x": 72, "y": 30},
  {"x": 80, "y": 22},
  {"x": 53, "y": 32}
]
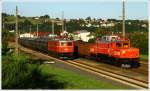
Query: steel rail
[{"x": 132, "y": 81}]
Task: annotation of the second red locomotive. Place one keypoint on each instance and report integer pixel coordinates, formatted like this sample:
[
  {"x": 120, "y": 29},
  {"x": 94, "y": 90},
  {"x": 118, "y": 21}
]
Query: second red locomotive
[{"x": 112, "y": 49}]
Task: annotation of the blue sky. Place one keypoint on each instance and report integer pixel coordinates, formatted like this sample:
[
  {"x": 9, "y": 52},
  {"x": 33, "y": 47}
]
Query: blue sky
[{"x": 105, "y": 10}]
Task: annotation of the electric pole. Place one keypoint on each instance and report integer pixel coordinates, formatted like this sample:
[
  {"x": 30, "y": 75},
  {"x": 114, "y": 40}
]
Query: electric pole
[
  {"x": 37, "y": 30},
  {"x": 62, "y": 21},
  {"x": 16, "y": 49},
  {"x": 123, "y": 19},
  {"x": 30, "y": 31},
  {"x": 3, "y": 26},
  {"x": 53, "y": 27}
]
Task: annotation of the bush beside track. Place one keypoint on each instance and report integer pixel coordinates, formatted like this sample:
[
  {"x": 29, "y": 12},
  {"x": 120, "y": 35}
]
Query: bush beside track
[{"x": 21, "y": 72}]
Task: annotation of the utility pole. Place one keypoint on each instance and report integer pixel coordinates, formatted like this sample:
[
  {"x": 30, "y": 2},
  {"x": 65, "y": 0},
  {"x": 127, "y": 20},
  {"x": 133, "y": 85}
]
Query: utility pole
[
  {"x": 16, "y": 49},
  {"x": 37, "y": 30},
  {"x": 53, "y": 27},
  {"x": 30, "y": 31},
  {"x": 3, "y": 27},
  {"x": 123, "y": 19},
  {"x": 62, "y": 21}
]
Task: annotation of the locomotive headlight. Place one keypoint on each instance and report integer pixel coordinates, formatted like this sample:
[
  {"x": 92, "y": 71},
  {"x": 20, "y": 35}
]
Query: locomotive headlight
[
  {"x": 116, "y": 53},
  {"x": 123, "y": 52},
  {"x": 66, "y": 49}
]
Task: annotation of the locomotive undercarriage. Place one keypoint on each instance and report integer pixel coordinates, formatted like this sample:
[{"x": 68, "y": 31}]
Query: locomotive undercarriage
[
  {"x": 123, "y": 62},
  {"x": 65, "y": 56}
]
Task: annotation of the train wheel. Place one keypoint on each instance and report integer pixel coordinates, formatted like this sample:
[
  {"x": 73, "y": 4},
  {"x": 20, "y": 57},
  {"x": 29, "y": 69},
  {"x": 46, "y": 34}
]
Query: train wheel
[
  {"x": 126, "y": 65},
  {"x": 117, "y": 62},
  {"x": 135, "y": 64}
]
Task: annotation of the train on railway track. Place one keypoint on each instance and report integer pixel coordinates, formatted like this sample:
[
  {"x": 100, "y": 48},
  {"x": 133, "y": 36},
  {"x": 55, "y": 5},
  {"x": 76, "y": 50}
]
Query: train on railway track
[
  {"x": 59, "y": 48},
  {"x": 110, "y": 49}
]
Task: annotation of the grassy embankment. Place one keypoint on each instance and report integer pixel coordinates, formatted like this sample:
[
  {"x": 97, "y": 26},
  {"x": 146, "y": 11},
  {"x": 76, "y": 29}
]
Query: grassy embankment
[
  {"x": 144, "y": 57},
  {"x": 24, "y": 73},
  {"x": 78, "y": 81}
]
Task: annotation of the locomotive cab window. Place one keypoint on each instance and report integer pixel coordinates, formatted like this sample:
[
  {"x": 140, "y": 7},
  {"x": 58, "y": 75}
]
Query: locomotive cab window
[
  {"x": 113, "y": 38},
  {"x": 118, "y": 44},
  {"x": 125, "y": 45},
  {"x": 63, "y": 44},
  {"x": 69, "y": 43}
]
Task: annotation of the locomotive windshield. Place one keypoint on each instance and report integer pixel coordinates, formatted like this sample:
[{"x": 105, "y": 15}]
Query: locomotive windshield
[
  {"x": 66, "y": 43},
  {"x": 69, "y": 43},
  {"x": 118, "y": 44},
  {"x": 63, "y": 44},
  {"x": 124, "y": 45}
]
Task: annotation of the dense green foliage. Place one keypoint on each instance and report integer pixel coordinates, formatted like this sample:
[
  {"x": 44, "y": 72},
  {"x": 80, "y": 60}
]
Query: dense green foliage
[
  {"x": 144, "y": 57},
  {"x": 72, "y": 25},
  {"x": 19, "y": 72},
  {"x": 140, "y": 40},
  {"x": 4, "y": 42}
]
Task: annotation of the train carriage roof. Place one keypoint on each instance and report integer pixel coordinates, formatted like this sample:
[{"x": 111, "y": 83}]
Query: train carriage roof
[
  {"x": 46, "y": 39},
  {"x": 112, "y": 38}
]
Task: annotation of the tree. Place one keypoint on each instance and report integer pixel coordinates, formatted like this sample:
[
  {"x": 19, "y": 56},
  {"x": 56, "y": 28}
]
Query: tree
[
  {"x": 88, "y": 18},
  {"x": 140, "y": 40},
  {"x": 45, "y": 16},
  {"x": 27, "y": 22},
  {"x": 57, "y": 18},
  {"x": 4, "y": 42}
]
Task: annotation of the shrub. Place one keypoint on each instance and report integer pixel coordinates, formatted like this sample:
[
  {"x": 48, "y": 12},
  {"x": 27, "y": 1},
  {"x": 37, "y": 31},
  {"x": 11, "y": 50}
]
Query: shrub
[
  {"x": 19, "y": 73},
  {"x": 140, "y": 40},
  {"x": 4, "y": 42}
]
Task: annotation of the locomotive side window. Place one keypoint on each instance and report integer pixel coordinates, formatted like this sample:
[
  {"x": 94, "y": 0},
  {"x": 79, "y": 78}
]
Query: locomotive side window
[
  {"x": 113, "y": 38},
  {"x": 69, "y": 43},
  {"x": 125, "y": 44},
  {"x": 118, "y": 44},
  {"x": 63, "y": 44}
]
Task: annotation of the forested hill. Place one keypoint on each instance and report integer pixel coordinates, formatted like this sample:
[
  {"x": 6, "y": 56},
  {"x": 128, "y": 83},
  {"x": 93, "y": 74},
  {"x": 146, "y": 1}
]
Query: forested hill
[{"x": 89, "y": 24}]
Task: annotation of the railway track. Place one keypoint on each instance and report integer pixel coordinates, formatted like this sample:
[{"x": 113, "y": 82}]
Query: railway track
[
  {"x": 144, "y": 63},
  {"x": 111, "y": 71},
  {"x": 143, "y": 69},
  {"x": 114, "y": 76},
  {"x": 139, "y": 84}
]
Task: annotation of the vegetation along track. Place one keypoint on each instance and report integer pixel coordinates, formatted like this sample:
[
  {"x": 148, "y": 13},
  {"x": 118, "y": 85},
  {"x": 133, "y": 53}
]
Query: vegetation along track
[{"x": 110, "y": 75}]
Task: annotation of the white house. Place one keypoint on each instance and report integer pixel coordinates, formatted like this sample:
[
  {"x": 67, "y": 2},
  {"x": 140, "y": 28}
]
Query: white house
[
  {"x": 63, "y": 33},
  {"x": 108, "y": 25},
  {"x": 89, "y": 25},
  {"x": 26, "y": 35},
  {"x": 83, "y": 35}
]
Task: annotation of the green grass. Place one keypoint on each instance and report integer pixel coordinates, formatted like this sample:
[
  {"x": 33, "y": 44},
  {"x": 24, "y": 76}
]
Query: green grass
[
  {"x": 17, "y": 73},
  {"x": 21, "y": 72},
  {"x": 144, "y": 57},
  {"x": 77, "y": 81}
]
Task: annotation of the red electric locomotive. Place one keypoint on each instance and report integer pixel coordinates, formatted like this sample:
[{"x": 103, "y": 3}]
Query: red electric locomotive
[
  {"x": 56, "y": 47},
  {"x": 62, "y": 48},
  {"x": 112, "y": 49}
]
